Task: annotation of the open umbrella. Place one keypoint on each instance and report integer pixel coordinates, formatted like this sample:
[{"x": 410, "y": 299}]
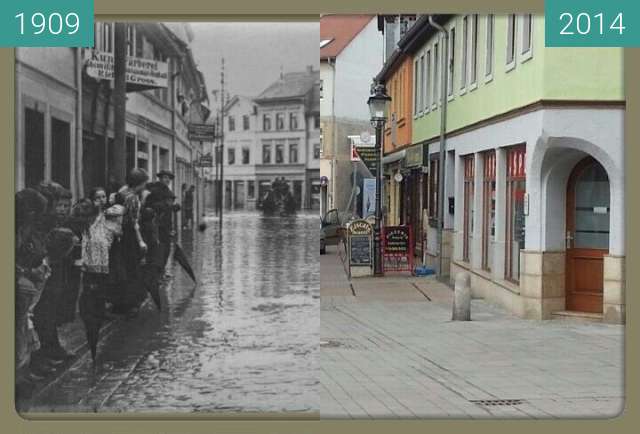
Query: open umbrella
[
  {"x": 92, "y": 312},
  {"x": 181, "y": 258},
  {"x": 151, "y": 281}
]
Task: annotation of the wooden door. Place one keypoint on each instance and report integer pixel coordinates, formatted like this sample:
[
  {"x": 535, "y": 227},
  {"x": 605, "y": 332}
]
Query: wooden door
[{"x": 587, "y": 236}]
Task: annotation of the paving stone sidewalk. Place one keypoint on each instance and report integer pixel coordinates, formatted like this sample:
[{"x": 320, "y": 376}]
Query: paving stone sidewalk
[{"x": 390, "y": 350}]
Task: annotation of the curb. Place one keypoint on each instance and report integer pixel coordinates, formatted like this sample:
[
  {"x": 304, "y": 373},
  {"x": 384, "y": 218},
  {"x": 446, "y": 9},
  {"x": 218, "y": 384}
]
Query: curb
[{"x": 81, "y": 351}]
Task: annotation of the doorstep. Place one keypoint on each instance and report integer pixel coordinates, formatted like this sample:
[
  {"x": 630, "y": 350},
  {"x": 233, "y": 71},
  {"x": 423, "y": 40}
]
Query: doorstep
[{"x": 580, "y": 316}]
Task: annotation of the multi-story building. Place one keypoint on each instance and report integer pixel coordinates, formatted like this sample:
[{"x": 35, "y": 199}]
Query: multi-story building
[
  {"x": 312, "y": 155},
  {"x": 287, "y": 133},
  {"x": 534, "y": 163},
  {"x": 65, "y": 120},
  {"x": 241, "y": 153},
  {"x": 350, "y": 55}
]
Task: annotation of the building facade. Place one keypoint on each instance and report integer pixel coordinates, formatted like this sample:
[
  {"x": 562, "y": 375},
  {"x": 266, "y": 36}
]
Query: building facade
[
  {"x": 534, "y": 164},
  {"x": 241, "y": 153},
  {"x": 350, "y": 55},
  {"x": 287, "y": 134},
  {"x": 65, "y": 120}
]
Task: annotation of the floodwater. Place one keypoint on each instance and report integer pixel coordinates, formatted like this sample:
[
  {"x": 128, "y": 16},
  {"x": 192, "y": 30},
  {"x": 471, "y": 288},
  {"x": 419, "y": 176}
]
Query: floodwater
[{"x": 246, "y": 338}]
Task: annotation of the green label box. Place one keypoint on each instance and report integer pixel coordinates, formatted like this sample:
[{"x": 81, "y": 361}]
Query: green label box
[
  {"x": 46, "y": 23},
  {"x": 592, "y": 23}
]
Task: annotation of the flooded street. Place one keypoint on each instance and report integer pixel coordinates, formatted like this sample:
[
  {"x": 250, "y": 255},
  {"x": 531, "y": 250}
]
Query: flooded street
[{"x": 244, "y": 339}]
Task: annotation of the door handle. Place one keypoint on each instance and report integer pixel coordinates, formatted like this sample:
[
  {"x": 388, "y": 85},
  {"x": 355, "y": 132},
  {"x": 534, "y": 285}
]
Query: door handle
[{"x": 568, "y": 240}]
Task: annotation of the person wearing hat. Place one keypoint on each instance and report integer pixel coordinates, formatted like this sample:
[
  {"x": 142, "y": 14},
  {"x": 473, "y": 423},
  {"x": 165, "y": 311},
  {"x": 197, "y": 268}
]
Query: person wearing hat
[{"x": 165, "y": 177}]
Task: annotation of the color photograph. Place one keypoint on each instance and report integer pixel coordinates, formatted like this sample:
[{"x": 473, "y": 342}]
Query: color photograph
[{"x": 487, "y": 279}]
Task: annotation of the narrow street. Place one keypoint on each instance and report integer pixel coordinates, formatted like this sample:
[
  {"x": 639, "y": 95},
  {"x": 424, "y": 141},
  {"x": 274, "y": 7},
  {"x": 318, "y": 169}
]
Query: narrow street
[
  {"x": 390, "y": 350},
  {"x": 243, "y": 339}
]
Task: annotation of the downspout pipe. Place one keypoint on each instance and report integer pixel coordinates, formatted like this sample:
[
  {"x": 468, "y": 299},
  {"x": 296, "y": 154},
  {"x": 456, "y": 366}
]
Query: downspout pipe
[
  {"x": 334, "y": 135},
  {"x": 79, "y": 182},
  {"x": 443, "y": 148}
]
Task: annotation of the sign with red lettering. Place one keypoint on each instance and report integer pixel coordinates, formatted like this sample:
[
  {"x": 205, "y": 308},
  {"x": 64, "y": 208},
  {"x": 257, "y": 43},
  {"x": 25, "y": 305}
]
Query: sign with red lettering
[{"x": 397, "y": 248}]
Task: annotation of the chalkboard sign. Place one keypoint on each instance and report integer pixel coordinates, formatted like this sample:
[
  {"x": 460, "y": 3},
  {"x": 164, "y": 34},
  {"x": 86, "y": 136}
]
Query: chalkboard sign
[
  {"x": 360, "y": 246},
  {"x": 360, "y": 234}
]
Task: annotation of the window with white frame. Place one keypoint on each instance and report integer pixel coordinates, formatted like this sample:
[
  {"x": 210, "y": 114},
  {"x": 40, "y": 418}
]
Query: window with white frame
[
  {"x": 465, "y": 51},
  {"x": 511, "y": 38},
  {"x": 527, "y": 24},
  {"x": 421, "y": 81},
  {"x": 436, "y": 77},
  {"x": 427, "y": 82},
  {"x": 488, "y": 67},
  {"x": 452, "y": 54},
  {"x": 474, "y": 49},
  {"x": 416, "y": 88}
]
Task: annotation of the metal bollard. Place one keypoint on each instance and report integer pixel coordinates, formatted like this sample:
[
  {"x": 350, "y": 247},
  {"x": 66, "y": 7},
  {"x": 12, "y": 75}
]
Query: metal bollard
[{"x": 462, "y": 298}]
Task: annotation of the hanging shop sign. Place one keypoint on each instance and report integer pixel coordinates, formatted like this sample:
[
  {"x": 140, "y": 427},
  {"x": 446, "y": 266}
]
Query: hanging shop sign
[
  {"x": 414, "y": 156},
  {"x": 369, "y": 156},
  {"x": 397, "y": 248},
  {"x": 202, "y": 132},
  {"x": 148, "y": 73},
  {"x": 360, "y": 243},
  {"x": 205, "y": 161}
]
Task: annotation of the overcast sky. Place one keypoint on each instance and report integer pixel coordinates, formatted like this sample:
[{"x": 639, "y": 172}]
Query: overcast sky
[{"x": 254, "y": 52}]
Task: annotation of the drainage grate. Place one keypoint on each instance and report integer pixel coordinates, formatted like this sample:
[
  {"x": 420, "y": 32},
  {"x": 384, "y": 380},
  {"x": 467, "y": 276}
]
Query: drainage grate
[
  {"x": 497, "y": 402},
  {"x": 330, "y": 344},
  {"x": 342, "y": 343}
]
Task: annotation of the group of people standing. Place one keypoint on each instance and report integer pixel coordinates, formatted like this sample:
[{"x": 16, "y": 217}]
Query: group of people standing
[{"x": 100, "y": 256}]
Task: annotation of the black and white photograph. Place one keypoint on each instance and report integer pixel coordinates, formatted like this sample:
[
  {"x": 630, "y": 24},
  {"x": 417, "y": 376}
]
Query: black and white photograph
[{"x": 167, "y": 196}]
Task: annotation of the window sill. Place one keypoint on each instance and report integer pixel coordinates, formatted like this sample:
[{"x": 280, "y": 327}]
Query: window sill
[
  {"x": 463, "y": 90},
  {"x": 488, "y": 78},
  {"x": 450, "y": 98},
  {"x": 510, "y": 66},
  {"x": 526, "y": 56},
  {"x": 473, "y": 86}
]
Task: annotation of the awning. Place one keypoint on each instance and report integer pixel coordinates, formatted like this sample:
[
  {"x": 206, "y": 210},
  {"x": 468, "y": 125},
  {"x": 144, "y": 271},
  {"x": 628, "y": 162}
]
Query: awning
[{"x": 392, "y": 158}]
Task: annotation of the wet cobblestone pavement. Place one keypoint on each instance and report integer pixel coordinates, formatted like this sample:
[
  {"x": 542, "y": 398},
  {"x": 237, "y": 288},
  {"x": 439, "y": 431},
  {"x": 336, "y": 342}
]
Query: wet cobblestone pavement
[{"x": 244, "y": 339}]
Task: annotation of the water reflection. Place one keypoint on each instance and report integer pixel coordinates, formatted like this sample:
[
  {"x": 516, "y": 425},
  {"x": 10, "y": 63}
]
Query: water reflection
[{"x": 245, "y": 338}]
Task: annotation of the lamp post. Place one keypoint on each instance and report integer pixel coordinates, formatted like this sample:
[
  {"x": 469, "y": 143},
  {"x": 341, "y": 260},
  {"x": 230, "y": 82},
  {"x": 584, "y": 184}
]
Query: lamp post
[{"x": 378, "y": 105}]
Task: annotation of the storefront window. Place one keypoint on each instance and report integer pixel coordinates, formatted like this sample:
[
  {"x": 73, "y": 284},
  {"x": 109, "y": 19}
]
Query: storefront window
[
  {"x": 516, "y": 188},
  {"x": 489, "y": 209},
  {"x": 251, "y": 189},
  {"x": 34, "y": 146},
  {"x": 468, "y": 205}
]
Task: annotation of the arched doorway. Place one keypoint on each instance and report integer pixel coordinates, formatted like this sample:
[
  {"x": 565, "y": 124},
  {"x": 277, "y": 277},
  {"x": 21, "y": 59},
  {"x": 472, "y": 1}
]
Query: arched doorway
[{"x": 587, "y": 235}]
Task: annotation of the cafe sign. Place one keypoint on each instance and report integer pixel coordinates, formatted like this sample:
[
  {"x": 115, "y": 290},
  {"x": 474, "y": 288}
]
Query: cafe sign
[
  {"x": 143, "y": 72},
  {"x": 360, "y": 243}
]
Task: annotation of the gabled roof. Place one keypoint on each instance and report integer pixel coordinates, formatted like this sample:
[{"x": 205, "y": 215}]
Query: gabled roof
[
  {"x": 291, "y": 85},
  {"x": 340, "y": 31}
]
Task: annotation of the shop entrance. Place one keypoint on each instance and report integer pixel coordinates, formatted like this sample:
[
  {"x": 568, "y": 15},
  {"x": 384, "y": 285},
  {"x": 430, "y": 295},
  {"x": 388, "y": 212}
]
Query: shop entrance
[{"x": 587, "y": 235}]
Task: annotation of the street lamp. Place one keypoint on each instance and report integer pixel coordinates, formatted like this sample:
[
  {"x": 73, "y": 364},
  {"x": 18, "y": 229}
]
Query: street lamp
[{"x": 378, "y": 105}]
